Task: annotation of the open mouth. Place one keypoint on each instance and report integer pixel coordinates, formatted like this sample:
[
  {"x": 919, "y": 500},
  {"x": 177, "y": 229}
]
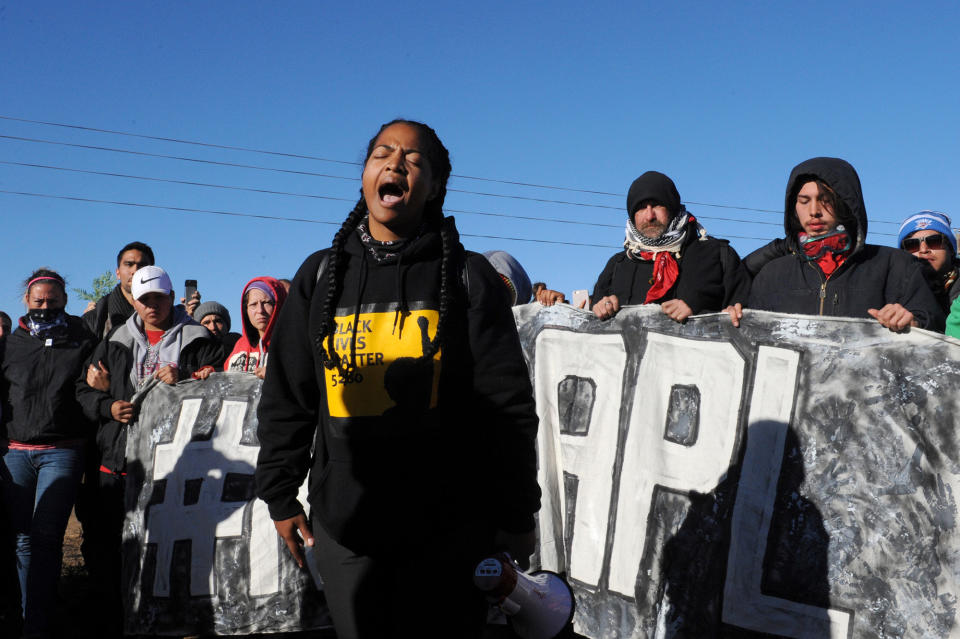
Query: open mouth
[{"x": 390, "y": 193}]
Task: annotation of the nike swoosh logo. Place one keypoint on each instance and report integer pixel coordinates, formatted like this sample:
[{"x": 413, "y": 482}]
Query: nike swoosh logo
[{"x": 151, "y": 279}]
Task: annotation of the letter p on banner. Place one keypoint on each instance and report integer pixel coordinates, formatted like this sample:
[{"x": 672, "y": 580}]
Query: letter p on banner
[{"x": 652, "y": 459}]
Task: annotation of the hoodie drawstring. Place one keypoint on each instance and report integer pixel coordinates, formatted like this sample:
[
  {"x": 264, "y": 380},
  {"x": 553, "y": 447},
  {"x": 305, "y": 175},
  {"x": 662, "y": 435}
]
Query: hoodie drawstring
[
  {"x": 402, "y": 309},
  {"x": 361, "y": 282}
]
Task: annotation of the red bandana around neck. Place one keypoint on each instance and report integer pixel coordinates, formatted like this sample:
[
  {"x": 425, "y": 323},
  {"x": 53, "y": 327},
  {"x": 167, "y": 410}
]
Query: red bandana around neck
[
  {"x": 829, "y": 252},
  {"x": 665, "y": 272},
  {"x": 829, "y": 262}
]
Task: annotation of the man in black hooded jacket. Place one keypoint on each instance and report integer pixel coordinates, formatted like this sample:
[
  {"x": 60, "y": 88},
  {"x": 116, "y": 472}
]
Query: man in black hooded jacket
[
  {"x": 668, "y": 258},
  {"x": 829, "y": 269}
]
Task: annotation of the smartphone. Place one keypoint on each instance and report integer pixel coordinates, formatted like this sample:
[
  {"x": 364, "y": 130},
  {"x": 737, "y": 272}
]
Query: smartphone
[
  {"x": 189, "y": 288},
  {"x": 581, "y": 299}
]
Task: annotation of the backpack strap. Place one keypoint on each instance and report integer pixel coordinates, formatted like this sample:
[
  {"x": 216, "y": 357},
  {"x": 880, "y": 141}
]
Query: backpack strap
[{"x": 323, "y": 267}]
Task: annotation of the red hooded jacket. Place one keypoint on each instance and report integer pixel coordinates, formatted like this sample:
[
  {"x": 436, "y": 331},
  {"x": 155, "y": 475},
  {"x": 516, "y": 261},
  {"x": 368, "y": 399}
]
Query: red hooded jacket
[{"x": 250, "y": 352}]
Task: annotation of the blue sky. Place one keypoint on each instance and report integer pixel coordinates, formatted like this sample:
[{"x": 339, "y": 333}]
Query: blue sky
[{"x": 724, "y": 97}]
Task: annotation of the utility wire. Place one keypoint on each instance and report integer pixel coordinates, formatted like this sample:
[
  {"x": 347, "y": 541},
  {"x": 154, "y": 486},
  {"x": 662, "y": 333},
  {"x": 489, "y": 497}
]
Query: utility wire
[
  {"x": 182, "y": 209},
  {"x": 224, "y": 147},
  {"x": 94, "y": 147},
  {"x": 328, "y": 197},
  {"x": 354, "y": 179},
  {"x": 344, "y": 162},
  {"x": 289, "y": 155},
  {"x": 323, "y": 175}
]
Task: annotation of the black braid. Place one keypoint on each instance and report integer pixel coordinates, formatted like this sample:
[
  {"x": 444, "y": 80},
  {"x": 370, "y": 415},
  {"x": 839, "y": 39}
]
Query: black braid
[
  {"x": 335, "y": 269},
  {"x": 446, "y": 292},
  {"x": 439, "y": 159}
]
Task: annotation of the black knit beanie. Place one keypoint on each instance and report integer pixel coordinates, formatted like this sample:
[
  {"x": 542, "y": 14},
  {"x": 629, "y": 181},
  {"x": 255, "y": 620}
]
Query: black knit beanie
[{"x": 653, "y": 186}]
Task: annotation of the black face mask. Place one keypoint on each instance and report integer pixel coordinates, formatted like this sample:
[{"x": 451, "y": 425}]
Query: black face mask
[{"x": 44, "y": 315}]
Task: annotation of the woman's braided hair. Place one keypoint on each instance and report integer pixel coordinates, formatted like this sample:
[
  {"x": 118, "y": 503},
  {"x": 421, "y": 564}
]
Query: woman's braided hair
[{"x": 439, "y": 159}]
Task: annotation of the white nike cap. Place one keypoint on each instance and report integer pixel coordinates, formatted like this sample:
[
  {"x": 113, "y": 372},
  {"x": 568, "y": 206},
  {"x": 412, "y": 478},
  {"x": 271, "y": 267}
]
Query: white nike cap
[{"x": 150, "y": 279}]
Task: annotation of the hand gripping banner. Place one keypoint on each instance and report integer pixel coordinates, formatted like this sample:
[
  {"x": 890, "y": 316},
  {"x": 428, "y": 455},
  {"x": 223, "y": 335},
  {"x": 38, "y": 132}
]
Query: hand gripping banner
[
  {"x": 795, "y": 477},
  {"x": 200, "y": 553}
]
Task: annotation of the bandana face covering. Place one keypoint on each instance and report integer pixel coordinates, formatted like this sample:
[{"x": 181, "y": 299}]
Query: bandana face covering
[
  {"x": 44, "y": 322},
  {"x": 836, "y": 242}
]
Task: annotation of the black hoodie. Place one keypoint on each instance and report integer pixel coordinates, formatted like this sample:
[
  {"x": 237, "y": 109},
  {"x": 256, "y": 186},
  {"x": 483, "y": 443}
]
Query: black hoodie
[
  {"x": 404, "y": 448},
  {"x": 870, "y": 277}
]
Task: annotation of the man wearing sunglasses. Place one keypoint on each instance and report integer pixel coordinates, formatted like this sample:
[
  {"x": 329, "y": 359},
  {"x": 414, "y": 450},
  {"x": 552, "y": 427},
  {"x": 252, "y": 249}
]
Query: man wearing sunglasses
[
  {"x": 927, "y": 235},
  {"x": 828, "y": 268}
]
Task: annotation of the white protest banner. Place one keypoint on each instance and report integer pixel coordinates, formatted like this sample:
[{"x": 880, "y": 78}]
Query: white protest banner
[
  {"x": 795, "y": 477},
  {"x": 201, "y": 554}
]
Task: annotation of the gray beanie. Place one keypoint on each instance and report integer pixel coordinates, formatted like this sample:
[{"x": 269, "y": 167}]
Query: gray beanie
[
  {"x": 213, "y": 308},
  {"x": 512, "y": 275}
]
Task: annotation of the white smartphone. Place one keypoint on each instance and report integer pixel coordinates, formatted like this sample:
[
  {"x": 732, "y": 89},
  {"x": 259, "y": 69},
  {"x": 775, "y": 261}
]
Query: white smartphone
[{"x": 581, "y": 299}]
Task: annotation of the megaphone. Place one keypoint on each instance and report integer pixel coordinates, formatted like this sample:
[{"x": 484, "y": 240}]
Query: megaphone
[{"x": 539, "y": 605}]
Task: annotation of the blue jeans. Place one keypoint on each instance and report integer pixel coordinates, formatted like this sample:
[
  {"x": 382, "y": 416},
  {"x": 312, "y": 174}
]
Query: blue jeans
[{"x": 39, "y": 489}]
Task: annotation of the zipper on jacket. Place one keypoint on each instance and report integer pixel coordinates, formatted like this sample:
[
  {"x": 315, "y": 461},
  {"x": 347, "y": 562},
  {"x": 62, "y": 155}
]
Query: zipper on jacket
[{"x": 823, "y": 285}]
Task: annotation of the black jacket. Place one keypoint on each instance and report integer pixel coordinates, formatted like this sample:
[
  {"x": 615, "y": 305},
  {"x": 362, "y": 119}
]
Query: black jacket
[
  {"x": 710, "y": 279},
  {"x": 111, "y": 311},
  {"x": 37, "y": 386},
  {"x": 197, "y": 349},
  {"x": 404, "y": 447},
  {"x": 870, "y": 277}
]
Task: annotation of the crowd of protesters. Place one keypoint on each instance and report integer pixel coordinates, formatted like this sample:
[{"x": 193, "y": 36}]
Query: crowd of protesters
[{"x": 69, "y": 386}]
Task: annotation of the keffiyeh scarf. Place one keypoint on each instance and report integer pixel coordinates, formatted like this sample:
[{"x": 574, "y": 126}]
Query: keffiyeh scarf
[{"x": 662, "y": 250}]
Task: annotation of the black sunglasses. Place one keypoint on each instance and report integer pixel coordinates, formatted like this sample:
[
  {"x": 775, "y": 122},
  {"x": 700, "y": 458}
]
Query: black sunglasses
[{"x": 933, "y": 242}]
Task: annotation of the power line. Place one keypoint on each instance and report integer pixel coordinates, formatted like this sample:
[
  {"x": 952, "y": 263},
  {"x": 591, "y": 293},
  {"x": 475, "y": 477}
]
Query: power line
[
  {"x": 326, "y": 197},
  {"x": 180, "y": 158},
  {"x": 173, "y": 181},
  {"x": 94, "y": 147},
  {"x": 354, "y": 179},
  {"x": 182, "y": 209},
  {"x": 224, "y": 147},
  {"x": 344, "y": 162},
  {"x": 282, "y": 154}
]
